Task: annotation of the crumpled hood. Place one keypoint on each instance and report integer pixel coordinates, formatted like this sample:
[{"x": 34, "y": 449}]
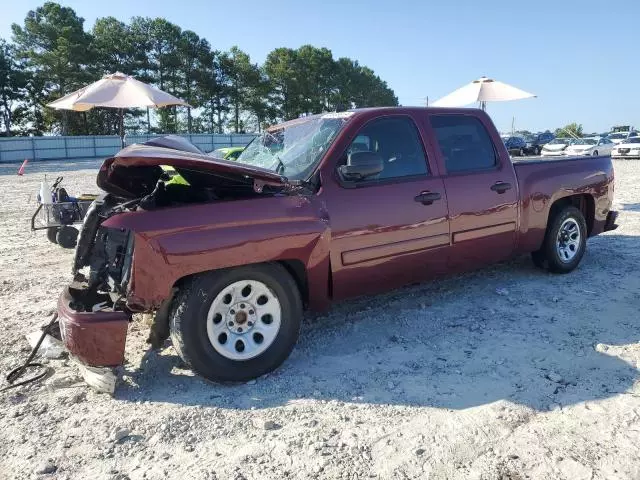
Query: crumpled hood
[{"x": 135, "y": 170}]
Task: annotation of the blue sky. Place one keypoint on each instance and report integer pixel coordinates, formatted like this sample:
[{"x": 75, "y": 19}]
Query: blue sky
[{"x": 582, "y": 58}]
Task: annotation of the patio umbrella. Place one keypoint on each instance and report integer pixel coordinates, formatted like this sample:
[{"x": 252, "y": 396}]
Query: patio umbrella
[
  {"x": 116, "y": 90},
  {"x": 482, "y": 90}
]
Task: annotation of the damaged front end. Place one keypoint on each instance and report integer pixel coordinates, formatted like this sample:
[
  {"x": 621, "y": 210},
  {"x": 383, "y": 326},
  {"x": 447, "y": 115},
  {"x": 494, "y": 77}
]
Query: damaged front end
[
  {"x": 96, "y": 308},
  {"x": 92, "y": 309}
]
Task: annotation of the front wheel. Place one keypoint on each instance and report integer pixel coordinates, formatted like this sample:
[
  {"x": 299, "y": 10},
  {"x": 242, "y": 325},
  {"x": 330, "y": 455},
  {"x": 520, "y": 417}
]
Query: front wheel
[
  {"x": 521, "y": 152},
  {"x": 67, "y": 236},
  {"x": 52, "y": 234},
  {"x": 565, "y": 241},
  {"x": 595, "y": 153},
  {"x": 236, "y": 324}
]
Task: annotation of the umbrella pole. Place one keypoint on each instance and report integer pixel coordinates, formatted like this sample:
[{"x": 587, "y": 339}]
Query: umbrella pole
[{"x": 121, "y": 127}]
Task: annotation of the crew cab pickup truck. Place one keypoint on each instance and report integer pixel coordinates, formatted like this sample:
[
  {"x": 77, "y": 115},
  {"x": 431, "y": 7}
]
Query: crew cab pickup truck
[{"x": 314, "y": 210}]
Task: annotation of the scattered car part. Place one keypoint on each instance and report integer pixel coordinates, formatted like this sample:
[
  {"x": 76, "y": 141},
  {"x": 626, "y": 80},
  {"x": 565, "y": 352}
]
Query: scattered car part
[{"x": 18, "y": 372}]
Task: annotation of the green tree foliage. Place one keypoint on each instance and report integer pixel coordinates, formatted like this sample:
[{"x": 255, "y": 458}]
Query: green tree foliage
[
  {"x": 309, "y": 80},
  {"x": 52, "y": 55},
  {"x": 14, "y": 81},
  {"x": 54, "y": 46},
  {"x": 571, "y": 130},
  {"x": 243, "y": 78},
  {"x": 113, "y": 49},
  {"x": 280, "y": 68},
  {"x": 359, "y": 86}
]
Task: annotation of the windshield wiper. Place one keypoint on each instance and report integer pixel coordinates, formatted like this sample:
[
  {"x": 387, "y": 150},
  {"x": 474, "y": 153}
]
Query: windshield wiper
[{"x": 280, "y": 168}]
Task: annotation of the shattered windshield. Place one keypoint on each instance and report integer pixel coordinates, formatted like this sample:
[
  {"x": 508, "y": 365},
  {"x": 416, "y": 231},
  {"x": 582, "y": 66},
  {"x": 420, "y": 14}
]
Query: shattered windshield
[{"x": 294, "y": 149}]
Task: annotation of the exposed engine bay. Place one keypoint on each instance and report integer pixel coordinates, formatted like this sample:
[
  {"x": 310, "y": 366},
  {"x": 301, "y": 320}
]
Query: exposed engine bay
[{"x": 103, "y": 256}]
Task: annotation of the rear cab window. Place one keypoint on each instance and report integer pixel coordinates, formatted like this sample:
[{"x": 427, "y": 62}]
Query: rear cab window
[{"x": 464, "y": 142}]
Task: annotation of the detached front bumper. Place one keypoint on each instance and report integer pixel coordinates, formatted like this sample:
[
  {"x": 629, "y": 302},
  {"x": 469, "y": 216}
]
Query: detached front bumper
[
  {"x": 96, "y": 339},
  {"x": 610, "y": 223}
]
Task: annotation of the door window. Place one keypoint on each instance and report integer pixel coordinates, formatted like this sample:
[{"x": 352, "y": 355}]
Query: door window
[
  {"x": 398, "y": 143},
  {"x": 464, "y": 142}
]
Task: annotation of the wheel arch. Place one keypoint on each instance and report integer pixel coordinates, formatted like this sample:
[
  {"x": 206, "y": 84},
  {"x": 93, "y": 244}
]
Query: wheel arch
[
  {"x": 298, "y": 270},
  {"x": 294, "y": 267},
  {"x": 583, "y": 202}
]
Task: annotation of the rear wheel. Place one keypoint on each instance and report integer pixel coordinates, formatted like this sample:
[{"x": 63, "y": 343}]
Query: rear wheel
[
  {"x": 565, "y": 241},
  {"x": 521, "y": 152},
  {"x": 237, "y": 324}
]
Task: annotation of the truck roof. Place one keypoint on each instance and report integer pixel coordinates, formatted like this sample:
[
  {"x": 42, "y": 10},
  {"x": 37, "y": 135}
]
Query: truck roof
[{"x": 371, "y": 111}]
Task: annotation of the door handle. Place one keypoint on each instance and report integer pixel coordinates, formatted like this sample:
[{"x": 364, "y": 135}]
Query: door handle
[
  {"x": 501, "y": 187},
  {"x": 427, "y": 198}
]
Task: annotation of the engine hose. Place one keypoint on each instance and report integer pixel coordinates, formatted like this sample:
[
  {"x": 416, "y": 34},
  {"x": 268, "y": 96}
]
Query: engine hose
[{"x": 18, "y": 372}]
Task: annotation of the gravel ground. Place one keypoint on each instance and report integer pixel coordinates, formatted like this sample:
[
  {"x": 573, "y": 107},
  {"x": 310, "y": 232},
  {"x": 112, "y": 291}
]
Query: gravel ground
[{"x": 504, "y": 373}]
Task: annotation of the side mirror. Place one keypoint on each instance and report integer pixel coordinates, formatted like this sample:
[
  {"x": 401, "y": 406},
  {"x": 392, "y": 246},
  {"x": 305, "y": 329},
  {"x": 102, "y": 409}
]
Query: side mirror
[{"x": 361, "y": 165}]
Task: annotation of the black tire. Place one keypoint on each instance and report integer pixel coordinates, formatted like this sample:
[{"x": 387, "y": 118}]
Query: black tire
[
  {"x": 67, "y": 236},
  {"x": 52, "y": 233},
  {"x": 595, "y": 153},
  {"x": 188, "y": 322},
  {"x": 521, "y": 152},
  {"x": 538, "y": 150},
  {"x": 549, "y": 251}
]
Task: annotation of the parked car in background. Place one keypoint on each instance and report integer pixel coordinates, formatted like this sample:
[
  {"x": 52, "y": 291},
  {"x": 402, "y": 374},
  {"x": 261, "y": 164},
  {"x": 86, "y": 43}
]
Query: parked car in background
[
  {"x": 229, "y": 262},
  {"x": 590, "y": 146},
  {"x": 227, "y": 153},
  {"x": 628, "y": 148},
  {"x": 535, "y": 142},
  {"x": 622, "y": 129},
  {"x": 618, "y": 137},
  {"x": 516, "y": 146},
  {"x": 556, "y": 147}
]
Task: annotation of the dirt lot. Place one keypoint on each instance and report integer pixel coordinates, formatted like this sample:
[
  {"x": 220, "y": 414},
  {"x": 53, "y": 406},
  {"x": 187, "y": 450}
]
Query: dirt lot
[{"x": 505, "y": 373}]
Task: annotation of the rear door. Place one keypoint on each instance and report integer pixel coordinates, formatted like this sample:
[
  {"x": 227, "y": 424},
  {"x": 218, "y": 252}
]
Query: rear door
[
  {"x": 481, "y": 189},
  {"x": 389, "y": 230}
]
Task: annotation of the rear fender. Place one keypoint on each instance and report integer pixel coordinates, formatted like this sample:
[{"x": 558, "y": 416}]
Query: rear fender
[{"x": 543, "y": 185}]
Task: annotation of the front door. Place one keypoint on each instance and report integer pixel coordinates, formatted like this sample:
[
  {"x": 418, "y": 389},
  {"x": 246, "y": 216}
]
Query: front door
[
  {"x": 393, "y": 229},
  {"x": 481, "y": 190}
]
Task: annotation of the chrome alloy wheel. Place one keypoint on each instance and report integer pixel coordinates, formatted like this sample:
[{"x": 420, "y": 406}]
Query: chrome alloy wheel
[
  {"x": 243, "y": 320},
  {"x": 568, "y": 241}
]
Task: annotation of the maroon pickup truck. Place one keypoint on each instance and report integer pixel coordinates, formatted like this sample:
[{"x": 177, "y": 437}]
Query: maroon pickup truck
[{"x": 229, "y": 254}]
